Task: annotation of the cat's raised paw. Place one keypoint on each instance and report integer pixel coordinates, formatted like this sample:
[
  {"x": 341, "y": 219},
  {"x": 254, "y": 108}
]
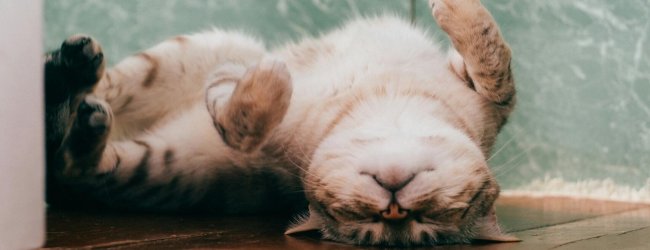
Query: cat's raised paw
[{"x": 258, "y": 104}]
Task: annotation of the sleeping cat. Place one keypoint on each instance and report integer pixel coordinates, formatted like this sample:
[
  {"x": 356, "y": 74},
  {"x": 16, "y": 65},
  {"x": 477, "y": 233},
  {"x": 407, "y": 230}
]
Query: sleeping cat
[{"x": 383, "y": 135}]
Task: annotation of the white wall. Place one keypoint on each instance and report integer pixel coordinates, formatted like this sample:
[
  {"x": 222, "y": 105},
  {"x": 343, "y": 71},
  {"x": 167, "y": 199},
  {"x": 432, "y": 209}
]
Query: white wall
[{"x": 22, "y": 208}]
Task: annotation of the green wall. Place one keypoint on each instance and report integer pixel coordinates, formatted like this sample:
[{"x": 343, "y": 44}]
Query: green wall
[{"x": 581, "y": 66}]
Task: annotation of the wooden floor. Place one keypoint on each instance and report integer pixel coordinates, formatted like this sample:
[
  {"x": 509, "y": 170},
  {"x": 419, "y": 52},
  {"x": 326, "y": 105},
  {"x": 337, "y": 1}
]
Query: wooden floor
[{"x": 542, "y": 223}]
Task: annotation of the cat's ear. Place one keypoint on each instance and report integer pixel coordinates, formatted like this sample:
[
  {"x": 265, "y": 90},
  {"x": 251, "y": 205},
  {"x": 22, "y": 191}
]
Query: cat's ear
[
  {"x": 487, "y": 228},
  {"x": 310, "y": 222}
]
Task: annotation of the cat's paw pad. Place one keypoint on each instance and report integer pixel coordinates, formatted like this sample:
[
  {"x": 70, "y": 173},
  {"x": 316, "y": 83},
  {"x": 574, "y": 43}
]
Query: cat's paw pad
[
  {"x": 258, "y": 104},
  {"x": 94, "y": 117},
  {"x": 84, "y": 57}
]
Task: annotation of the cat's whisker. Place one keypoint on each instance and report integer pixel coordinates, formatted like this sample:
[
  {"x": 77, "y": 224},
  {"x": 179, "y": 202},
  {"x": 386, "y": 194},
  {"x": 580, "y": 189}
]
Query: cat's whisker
[
  {"x": 505, "y": 167},
  {"x": 290, "y": 158},
  {"x": 297, "y": 165},
  {"x": 301, "y": 150},
  {"x": 517, "y": 156},
  {"x": 505, "y": 144}
]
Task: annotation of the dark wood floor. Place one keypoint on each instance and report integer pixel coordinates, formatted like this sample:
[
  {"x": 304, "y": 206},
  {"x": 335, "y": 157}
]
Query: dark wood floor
[{"x": 542, "y": 223}]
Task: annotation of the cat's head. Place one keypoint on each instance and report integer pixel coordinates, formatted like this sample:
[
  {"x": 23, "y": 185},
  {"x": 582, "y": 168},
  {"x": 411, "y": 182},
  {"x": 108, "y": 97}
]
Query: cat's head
[{"x": 401, "y": 189}]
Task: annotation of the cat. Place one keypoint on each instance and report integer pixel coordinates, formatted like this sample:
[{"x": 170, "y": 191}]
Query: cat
[{"x": 374, "y": 130}]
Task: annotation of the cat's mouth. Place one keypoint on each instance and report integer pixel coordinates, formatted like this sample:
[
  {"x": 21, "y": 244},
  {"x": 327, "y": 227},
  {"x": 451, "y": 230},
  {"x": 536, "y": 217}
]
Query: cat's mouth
[{"x": 394, "y": 213}]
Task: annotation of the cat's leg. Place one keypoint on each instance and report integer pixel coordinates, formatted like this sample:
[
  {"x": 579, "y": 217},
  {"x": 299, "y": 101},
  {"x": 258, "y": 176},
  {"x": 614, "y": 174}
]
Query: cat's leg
[
  {"x": 132, "y": 174},
  {"x": 84, "y": 167},
  {"x": 117, "y": 173},
  {"x": 71, "y": 73},
  {"x": 482, "y": 57},
  {"x": 160, "y": 81},
  {"x": 180, "y": 165},
  {"x": 247, "y": 103}
]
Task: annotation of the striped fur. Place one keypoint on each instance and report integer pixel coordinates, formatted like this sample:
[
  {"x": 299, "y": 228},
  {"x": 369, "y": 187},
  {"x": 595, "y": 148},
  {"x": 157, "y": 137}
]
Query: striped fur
[{"x": 365, "y": 119}]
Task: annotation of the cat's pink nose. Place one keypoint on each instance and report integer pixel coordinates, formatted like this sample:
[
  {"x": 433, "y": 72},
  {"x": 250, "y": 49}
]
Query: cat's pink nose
[{"x": 394, "y": 212}]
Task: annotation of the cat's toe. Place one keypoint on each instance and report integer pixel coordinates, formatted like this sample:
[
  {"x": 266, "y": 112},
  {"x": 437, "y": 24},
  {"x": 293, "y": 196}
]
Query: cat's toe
[{"x": 93, "y": 117}]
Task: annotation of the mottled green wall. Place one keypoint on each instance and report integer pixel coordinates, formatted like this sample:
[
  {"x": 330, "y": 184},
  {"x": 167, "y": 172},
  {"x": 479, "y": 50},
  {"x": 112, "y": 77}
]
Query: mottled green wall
[
  {"x": 126, "y": 26},
  {"x": 582, "y": 67}
]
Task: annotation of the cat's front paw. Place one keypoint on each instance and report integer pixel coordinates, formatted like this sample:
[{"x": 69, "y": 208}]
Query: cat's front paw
[
  {"x": 83, "y": 56},
  {"x": 454, "y": 14},
  {"x": 257, "y": 105}
]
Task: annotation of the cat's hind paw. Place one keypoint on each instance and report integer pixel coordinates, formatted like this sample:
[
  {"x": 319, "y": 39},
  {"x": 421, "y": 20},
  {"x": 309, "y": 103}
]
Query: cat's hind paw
[
  {"x": 88, "y": 135},
  {"x": 94, "y": 117},
  {"x": 84, "y": 57}
]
